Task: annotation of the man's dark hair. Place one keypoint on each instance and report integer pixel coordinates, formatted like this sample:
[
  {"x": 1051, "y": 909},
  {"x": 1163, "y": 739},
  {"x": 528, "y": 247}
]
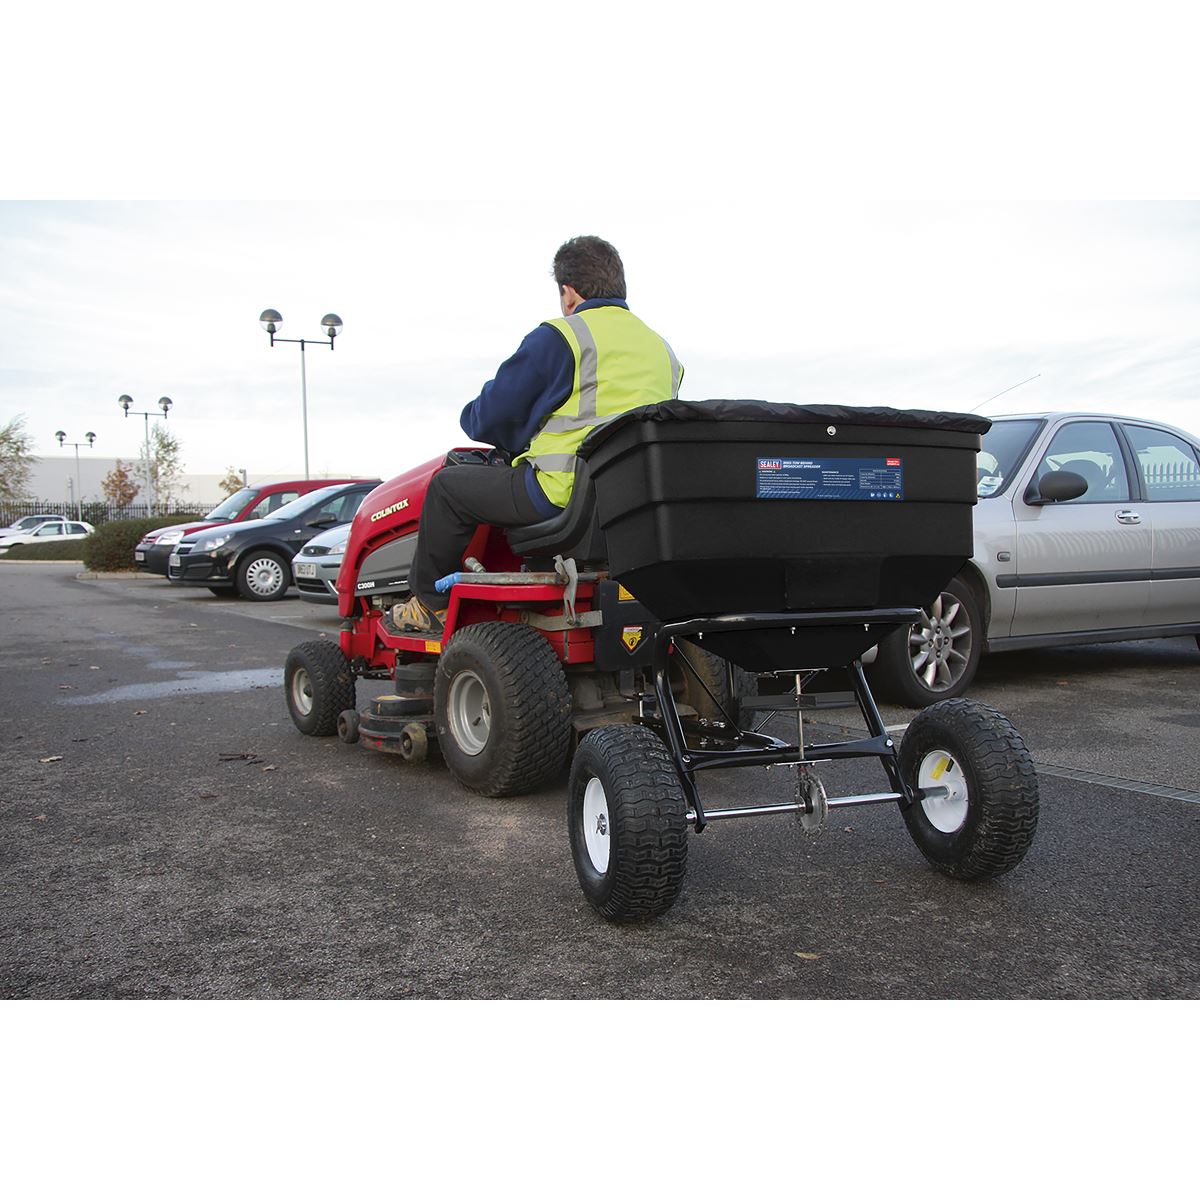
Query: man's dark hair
[{"x": 592, "y": 267}]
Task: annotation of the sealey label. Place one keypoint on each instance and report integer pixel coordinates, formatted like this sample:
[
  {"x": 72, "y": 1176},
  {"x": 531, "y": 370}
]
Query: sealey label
[{"x": 830, "y": 479}]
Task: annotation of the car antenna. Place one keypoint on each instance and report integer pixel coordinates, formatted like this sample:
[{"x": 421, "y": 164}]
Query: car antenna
[{"x": 1007, "y": 389}]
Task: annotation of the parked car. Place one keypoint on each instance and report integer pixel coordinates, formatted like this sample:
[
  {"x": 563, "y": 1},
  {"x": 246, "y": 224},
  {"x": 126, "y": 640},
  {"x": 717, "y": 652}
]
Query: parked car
[
  {"x": 255, "y": 557},
  {"x": 315, "y": 568},
  {"x": 1087, "y": 530},
  {"x": 55, "y": 530},
  {"x": 24, "y": 524},
  {"x": 248, "y": 504}
]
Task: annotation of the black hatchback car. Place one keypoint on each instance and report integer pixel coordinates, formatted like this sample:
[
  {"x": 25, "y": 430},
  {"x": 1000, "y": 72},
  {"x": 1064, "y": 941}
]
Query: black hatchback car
[{"x": 255, "y": 557}]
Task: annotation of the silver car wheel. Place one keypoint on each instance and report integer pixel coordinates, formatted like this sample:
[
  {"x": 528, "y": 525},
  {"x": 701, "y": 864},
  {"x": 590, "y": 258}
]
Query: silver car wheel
[
  {"x": 940, "y": 643},
  {"x": 264, "y": 576}
]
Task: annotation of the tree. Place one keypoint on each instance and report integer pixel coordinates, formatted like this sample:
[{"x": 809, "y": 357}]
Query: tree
[
  {"x": 164, "y": 469},
  {"x": 233, "y": 482},
  {"x": 16, "y": 461},
  {"x": 119, "y": 487}
]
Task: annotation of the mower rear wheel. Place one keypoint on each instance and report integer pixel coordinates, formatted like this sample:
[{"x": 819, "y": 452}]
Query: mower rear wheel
[
  {"x": 981, "y": 821},
  {"x": 706, "y": 683},
  {"x": 502, "y": 708},
  {"x": 319, "y": 685},
  {"x": 627, "y": 819}
]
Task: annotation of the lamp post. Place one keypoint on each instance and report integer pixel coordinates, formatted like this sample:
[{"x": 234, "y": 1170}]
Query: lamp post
[
  {"x": 62, "y": 441},
  {"x": 332, "y": 323},
  {"x": 165, "y": 403}
]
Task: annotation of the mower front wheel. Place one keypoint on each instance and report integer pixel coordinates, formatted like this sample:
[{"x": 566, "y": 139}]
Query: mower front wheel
[
  {"x": 627, "y": 819},
  {"x": 319, "y": 685},
  {"x": 502, "y": 708}
]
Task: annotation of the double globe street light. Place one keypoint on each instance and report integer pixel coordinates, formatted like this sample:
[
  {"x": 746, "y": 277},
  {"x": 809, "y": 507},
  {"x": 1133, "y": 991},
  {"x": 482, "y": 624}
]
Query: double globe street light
[
  {"x": 332, "y": 324},
  {"x": 165, "y": 403},
  {"x": 62, "y": 441}
]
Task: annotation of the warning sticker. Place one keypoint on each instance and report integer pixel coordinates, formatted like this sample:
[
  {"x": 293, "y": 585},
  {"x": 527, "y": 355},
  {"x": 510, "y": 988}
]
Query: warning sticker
[{"x": 830, "y": 479}]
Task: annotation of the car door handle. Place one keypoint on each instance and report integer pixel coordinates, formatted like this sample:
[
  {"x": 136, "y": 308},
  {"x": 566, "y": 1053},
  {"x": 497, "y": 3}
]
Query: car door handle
[{"x": 1128, "y": 517}]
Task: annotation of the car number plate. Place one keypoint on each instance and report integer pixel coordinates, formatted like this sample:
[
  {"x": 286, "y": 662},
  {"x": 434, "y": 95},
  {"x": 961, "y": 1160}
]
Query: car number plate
[
  {"x": 139, "y": 556},
  {"x": 306, "y": 570},
  {"x": 173, "y": 561}
]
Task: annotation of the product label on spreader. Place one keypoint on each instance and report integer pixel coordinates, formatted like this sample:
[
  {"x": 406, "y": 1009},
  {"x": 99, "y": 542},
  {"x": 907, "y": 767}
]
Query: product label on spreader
[{"x": 830, "y": 479}]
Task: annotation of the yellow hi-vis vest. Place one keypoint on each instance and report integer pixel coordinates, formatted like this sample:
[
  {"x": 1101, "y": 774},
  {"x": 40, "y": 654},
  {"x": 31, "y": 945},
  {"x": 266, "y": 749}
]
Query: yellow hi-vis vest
[{"x": 620, "y": 363}]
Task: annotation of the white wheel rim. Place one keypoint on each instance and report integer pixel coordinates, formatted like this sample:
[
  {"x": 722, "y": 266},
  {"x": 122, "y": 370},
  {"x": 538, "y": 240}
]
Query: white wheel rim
[
  {"x": 264, "y": 576},
  {"x": 946, "y": 813},
  {"x": 302, "y": 692},
  {"x": 470, "y": 713},
  {"x": 595, "y": 824}
]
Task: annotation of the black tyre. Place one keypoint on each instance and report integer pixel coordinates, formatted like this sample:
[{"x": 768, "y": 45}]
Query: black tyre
[
  {"x": 706, "y": 684},
  {"x": 936, "y": 658},
  {"x": 263, "y": 575},
  {"x": 985, "y": 822},
  {"x": 319, "y": 685},
  {"x": 502, "y": 708},
  {"x": 346, "y": 725},
  {"x": 627, "y": 818}
]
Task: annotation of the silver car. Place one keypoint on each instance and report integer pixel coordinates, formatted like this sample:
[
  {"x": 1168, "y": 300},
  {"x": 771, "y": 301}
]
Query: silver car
[
  {"x": 1087, "y": 530},
  {"x": 315, "y": 568}
]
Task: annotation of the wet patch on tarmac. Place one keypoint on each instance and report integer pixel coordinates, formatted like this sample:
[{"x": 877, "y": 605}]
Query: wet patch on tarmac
[{"x": 188, "y": 682}]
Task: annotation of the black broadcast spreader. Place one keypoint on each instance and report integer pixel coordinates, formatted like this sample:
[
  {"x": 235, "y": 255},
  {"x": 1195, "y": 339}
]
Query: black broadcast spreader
[
  {"x": 722, "y": 566},
  {"x": 786, "y": 540}
]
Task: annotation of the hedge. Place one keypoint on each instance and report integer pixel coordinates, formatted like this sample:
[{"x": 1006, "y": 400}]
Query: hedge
[
  {"x": 47, "y": 552},
  {"x": 110, "y": 548}
]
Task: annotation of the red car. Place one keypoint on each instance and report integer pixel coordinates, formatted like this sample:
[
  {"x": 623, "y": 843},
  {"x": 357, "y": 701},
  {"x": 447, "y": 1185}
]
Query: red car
[{"x": 249, "y": 504}]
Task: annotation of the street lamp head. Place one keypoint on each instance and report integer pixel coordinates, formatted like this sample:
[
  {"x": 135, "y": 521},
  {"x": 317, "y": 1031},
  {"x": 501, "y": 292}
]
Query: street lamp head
[
  {"x": 332, "y": 325},
  {"x": 126, "y": 402},
  {"x": 91, "y": 437},
  {"x": 270, "y": 320},
  {"x": 165, "y": 403},
  {"x": 62, "y": 437}
]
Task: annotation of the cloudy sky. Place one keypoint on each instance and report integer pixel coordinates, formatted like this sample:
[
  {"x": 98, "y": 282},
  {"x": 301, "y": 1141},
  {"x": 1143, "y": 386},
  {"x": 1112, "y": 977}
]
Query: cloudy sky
[{"x": 916, "y": 208}]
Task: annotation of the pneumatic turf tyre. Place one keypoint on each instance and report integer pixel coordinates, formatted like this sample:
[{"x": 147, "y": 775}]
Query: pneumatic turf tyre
[
  {"x": 318, "y": 685},
  {"x": 263, "y": 575},
  {"x": 706, "y": 683},
  {"x": 986, "y": 823},
  {"x": 502, "y": 708},
  {"x": 627, "y": 818}
]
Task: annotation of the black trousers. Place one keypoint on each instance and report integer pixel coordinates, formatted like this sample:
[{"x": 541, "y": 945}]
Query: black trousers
[{"x": 460, "y": 499}]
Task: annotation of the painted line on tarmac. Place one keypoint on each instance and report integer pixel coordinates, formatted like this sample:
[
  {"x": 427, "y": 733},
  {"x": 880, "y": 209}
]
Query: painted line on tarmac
[
  {"x": 1109, "y": 781},
  {"x": 1115, "y": 781}
]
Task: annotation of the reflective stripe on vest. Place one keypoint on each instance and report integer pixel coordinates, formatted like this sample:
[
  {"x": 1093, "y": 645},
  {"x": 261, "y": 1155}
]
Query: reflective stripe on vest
[{"x": 639, "y": 367}]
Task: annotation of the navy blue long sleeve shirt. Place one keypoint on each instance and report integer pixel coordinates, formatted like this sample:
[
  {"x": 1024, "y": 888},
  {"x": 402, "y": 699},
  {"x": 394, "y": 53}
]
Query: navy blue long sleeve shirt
[{"x": 528, "y": 387}]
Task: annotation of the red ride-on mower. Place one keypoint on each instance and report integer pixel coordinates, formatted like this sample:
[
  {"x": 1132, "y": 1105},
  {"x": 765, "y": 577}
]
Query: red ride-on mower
[{"x": 768, "y": 547}]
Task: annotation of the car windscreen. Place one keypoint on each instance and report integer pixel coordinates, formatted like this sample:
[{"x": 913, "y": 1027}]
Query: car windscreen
[
  {"x": 303, "y": 503},
  {"x": 1004, "y": 447},
  {"x": 232, "y": 506}
]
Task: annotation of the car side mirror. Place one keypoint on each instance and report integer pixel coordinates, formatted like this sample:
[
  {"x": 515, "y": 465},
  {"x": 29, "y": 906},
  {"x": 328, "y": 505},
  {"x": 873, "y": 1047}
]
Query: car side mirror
[
  {"x": 323, "y": 520},
  {"x": 1055, "y": 487}
]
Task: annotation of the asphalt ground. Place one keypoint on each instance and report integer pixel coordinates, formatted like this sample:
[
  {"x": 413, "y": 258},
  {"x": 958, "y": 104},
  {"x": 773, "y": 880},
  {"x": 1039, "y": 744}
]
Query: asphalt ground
[{"x": 166, "y": 832}]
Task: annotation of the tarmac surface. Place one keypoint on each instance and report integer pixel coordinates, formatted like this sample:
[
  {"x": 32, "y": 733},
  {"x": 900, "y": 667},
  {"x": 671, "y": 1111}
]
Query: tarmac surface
[{"x": 166, "y": 832}]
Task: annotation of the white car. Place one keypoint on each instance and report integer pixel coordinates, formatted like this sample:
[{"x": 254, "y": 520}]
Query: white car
[
  {"x": 1087, "y": 530},
  {"x": 27, "y": 523},
  {"x": 55, "y": 530}
]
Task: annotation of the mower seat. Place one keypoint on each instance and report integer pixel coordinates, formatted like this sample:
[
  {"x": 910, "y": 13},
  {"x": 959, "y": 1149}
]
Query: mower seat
[{"x": 574, "y": 533}]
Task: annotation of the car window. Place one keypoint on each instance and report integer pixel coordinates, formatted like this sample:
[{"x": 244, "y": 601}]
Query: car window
[
  {"x": 73, "y": 528},
  {"x": 230, "y": 508},
  {"x": 268, "y": 505},
  {"x": 50, "y": 529},
  {"x": 347, "y": 506},
  {"x": 1169, "y": 465},
  {"x": 309, "y": 501},
  {"x": 1090, "y": 449},
  {"x": 1004, "y": 448}
]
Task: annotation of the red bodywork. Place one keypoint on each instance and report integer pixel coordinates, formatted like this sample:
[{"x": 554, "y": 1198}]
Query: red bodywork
[{"x": 393, "y": 510}]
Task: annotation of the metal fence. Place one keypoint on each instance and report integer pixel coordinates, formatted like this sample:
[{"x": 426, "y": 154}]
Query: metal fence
[{"x": 95, "y": 512}]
